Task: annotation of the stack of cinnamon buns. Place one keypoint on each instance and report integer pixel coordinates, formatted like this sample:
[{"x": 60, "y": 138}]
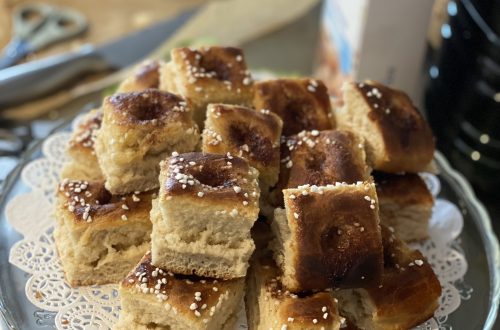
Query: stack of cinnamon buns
[{"x": 194, "y": 186}]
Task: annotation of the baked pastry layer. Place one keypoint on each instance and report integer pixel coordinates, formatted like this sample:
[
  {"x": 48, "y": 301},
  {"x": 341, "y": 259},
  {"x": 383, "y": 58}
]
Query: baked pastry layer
[
  {"x": 405, "y": 204},
  {"x": 398, "y": 139},
  {"x": 82, "y": 164},
  {"x": 302, "y": 104},
  {"x": 208, "y": 75},
  {"x": 320, "y": 158},
  {"x": 202, "y": 218},
  {"x": 99, "y": 236},
  {"x": 325, "y": 236},
  {"x": 246, "y": 133},
  {"x": 145, "y": 75},
  {"x": 408, "y": 295},
  {"x": 270, "y": 306},
  {"x": 153, "y": 298},
  {"x": 328, "y": 237},
  {"x": 139, "y": 129}
]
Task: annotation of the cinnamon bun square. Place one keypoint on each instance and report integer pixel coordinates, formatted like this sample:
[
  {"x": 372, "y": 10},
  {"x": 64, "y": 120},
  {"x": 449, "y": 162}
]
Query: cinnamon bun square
[
  {"x": 145, "y": 75},
  {"x": 208, "y": 75},
  {"x": 405, "y": 204},
  {"x": 320, "y": 158},
  {"x": 246, "y": 133},
  {"x": 270, "y": 306},
  {"x": 328, "y": 237},
  {"x": 82, "y": 164},
  {"x": 139, "y": 129},
  {"x": 154, "y": 298},
  {"x": 302, "y": 104},
  {"x": 398, "y": 139},
  {"x": 100, "y": 236},
  {"x": 202, "y": 217},
  {"x": 407, "y": 296}
]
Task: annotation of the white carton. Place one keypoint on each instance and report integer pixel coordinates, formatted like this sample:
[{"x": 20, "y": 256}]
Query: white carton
[{"x": 383, "y": 40}]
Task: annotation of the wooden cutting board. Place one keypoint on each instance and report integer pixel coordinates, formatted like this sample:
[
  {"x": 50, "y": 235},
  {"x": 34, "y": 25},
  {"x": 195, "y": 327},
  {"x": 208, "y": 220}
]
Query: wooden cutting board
[
  {"x": 108, "y": 19},
  {"x": 225, "y": 22}
]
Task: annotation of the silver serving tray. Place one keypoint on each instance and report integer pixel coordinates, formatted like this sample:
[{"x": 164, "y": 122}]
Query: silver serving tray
[{"x": 479, "y": 244}]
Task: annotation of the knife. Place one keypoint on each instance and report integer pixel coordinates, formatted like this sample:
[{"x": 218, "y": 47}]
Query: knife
[{"x": 27, "y": 81}]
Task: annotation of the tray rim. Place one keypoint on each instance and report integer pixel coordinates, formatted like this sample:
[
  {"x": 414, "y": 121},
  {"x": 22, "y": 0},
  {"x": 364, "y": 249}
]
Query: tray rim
[
  {"x": 455, "y": 178},
  {"x": 10, "y": 180},
  {"x": 488, "y": 236}
]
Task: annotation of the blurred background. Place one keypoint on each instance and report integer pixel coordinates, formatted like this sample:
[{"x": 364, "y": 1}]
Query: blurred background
[{"x": 444, "y": 54}]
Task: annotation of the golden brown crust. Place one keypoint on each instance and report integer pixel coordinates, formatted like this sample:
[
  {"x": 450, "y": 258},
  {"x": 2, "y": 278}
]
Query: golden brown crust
[
  {"x": 146, "y": 75},
  {"x": 302, "y": 104},
  {"x": 223, "y": 178},
  {"x": 408, "y": 139},
  {"x": 321, "y": 158},
  {"x": 207, "y": 65},
  {"x": 150, "y": 107},
  {"x": 410, "y": 291},
  {"x": 336, "y": 236},
  {"x": 250, "y": 134},
  {"x": 82, "y": 163},
  {"x": 83, "y": 137},
  {"x": 139, "y": 129},
  {"x": 302, "y": 309},
  {"x": 403, "y": 189},
  {"x": 188, "y": 294},
  {"x": 90, "y": 202},
  {"x": 296, "y": 311},
  {"x": 208, "y": 75},
  {"x": 305, "y": 310}
]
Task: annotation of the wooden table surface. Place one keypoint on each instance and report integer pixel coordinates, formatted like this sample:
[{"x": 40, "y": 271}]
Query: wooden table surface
[{"x": 108, "y": 19}]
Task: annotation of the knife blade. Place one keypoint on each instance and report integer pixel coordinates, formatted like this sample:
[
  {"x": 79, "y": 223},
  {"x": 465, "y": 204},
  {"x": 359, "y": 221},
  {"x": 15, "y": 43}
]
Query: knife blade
[{"x": 30, "y": 80}]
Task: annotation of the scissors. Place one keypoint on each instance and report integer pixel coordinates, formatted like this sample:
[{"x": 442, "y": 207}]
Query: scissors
[{"x": 38, "y": 25}]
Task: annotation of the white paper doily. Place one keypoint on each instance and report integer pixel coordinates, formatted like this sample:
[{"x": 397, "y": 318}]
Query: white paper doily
[{"x": 97, "y": 307}]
